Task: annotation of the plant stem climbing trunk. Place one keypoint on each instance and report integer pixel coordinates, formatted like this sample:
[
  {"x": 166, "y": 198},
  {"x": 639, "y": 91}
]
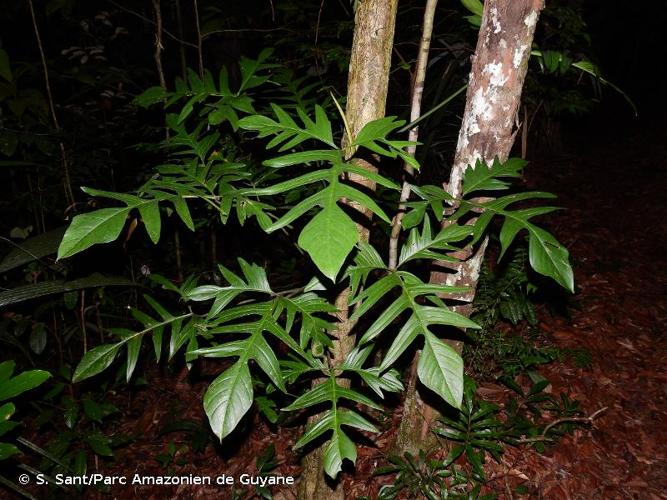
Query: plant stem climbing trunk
[
  {"x": 488, "y": 130},
  {"x": 368, "y": 81}
]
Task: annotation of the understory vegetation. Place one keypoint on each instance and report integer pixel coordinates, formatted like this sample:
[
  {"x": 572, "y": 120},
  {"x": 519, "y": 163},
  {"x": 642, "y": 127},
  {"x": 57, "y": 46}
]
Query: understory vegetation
[{"x": 183, "y": 199}]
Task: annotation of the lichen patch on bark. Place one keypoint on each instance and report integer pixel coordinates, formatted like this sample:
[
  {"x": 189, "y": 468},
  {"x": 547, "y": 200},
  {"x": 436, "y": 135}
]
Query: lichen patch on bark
[
  {"x": 531, "y": 19},
  {"x": 496, "y": 76},
  {"x": 518, "y": 56}
]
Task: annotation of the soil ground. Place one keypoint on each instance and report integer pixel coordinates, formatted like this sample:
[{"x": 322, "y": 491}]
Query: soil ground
[{"x": 615, "y": 227}]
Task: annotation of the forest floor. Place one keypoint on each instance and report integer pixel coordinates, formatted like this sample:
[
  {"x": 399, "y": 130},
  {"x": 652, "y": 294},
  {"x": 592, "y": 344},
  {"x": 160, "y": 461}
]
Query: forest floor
[{"x": 615, "y": 227}]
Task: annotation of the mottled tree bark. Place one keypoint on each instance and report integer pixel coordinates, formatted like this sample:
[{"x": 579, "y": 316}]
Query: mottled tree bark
[
  {"x": 368, "y": 81},
  {"x": 498, "y": 71}
]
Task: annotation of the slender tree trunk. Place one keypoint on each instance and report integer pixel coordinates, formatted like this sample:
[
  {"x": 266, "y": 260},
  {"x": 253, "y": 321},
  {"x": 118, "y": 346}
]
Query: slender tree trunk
[
  {"x": 368, "y": 81},
  {"x": 157, "y": 55},
  {"x": 415, "y": 113},
  {"x": 67, "y": 181},
  {"x": 200, "y": 50},
  {"x": 494, "y": 94},
  {"x": 179, "y": 32}
]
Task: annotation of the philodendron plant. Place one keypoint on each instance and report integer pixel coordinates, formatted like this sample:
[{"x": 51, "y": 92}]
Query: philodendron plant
[{"x": 302, "y": 188}]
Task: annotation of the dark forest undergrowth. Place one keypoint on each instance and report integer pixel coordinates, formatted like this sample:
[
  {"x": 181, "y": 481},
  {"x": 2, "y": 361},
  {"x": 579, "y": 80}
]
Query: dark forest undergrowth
[
  {"x": 563, "y": 394},
  {"x": 618, "y": 315}
]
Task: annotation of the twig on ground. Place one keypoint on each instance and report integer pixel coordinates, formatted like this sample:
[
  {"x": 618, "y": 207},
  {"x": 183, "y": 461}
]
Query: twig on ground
[{"x": 544, "y": 437}]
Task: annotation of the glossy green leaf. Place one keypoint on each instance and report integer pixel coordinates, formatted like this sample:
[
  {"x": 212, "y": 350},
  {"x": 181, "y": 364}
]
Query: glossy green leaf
[
  {"x": 374, "y": 293},
  {"x": 550, "y": 258},
  {"x": 6, "y": 369},
  {"x": 352, "y": 194},
  {"x": 262, "y": 353},
  {"x": 373, "y": 136},
  {"x": 444, "y": 316},
  {"x": 440, "y": 368},
  {"x": 13, "y": 386},
  {"x": 287, "y": 133},
  {"x": 424, "y": 246},
  {"x": 386, "y": 318},
  {"x": 228, "y": 399},
  {"x": 7, "y": 426},
  {"x": 150, "y": 214},
  {"x": 378, "y": 382},
  {"x": 356, "y": 396},
  {"x": 99, "y": 443},
  {"x": 406, "y": 335},
  {"x": 415, "y": 215},
  {"x": 339, "y": 448},
  {"x": 483, "y": 177},
  {"x": 228, "y": 349},
  {"x": 298, "y": 210},
  {"x": 315, "y": 430},
  {"x": 353, "y": 419},
  {"x": 329, "y": 238},
  {"x": 516, "y": 222},
  {"x": 376, "y": 129},
  {"x": 181, "y": 207},
  {"x": 6, "y": 411},
  {"x": 370, "y": 175},
  {"x": 133, "y": 348},
  {"x": 86, "y": 230},
  {"x": 128, "y": 199},
  {"x": 474, "y": 6},
  {"x": 150, "y": 96},
  {"x": 366, "y": 260},
  {"x": 297, "y": 182},
  {"x": 314, "y": 312},
  {"x": 315, "y": 155},
  {"x": 7, "y": 450},
  {"x": 222, "y": 113},
  {"x": 95, "y": 361},
  {"x": 547, "y": 255},
  {"x": 318, "y": 394}
]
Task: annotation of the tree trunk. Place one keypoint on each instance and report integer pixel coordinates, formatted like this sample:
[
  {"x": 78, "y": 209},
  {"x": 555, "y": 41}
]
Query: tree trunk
[
  {"x": 368, "y": 80},
  {"x": 494, "y": 94}
]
